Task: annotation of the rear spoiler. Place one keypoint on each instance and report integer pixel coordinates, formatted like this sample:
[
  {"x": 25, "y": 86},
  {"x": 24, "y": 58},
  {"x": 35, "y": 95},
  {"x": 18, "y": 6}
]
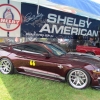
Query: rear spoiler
[{"x": 2, "y": 45}]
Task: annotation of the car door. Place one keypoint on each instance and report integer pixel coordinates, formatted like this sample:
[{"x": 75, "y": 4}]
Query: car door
[{"x": 32, "y": 59}]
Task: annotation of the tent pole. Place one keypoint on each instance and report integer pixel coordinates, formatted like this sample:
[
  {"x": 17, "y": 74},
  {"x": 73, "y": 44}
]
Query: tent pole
[
  {"x": 38, "y": 7},
  {"x": 8, "y": 31}
]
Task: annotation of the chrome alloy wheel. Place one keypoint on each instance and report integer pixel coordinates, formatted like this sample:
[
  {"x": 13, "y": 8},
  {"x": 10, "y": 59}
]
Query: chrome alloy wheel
[
  {"x": 78, "y": 79},
  {"x": 5, "y": 66}
]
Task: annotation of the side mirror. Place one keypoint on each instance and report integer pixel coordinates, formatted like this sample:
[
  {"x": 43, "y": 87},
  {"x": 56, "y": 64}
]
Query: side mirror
[{"x": 47, "y": 55}]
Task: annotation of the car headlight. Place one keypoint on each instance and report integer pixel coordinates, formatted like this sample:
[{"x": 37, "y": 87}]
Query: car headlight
[{"x": 96, "y": 70}]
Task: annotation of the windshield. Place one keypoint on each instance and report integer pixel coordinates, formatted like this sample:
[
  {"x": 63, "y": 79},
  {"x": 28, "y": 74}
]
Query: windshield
[{"x": 56, "y": 50}]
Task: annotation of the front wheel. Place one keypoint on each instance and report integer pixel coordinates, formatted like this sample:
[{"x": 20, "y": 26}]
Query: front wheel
[
  {"x": 6, "y": 66},
  {"x": 91, "y": 53},
  {"x": 78, "y": 78}
]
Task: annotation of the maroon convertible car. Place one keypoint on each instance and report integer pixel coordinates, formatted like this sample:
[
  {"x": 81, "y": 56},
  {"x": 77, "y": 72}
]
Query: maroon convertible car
[{"x": 49, "y": 61}]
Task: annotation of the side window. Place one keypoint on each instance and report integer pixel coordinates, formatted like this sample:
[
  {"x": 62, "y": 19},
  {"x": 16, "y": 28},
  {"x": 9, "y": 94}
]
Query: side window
[
  {"x": 34, "y": 48},
  {"x": 18, "y": 47}
]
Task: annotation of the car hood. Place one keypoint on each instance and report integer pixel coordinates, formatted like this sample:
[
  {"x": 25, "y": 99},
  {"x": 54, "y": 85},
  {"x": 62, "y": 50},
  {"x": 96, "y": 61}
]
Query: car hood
[{"x": 84, "y": 58}]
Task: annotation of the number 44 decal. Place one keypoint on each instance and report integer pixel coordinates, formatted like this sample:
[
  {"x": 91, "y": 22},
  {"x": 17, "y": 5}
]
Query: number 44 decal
[{"x": 32, "y": 63}]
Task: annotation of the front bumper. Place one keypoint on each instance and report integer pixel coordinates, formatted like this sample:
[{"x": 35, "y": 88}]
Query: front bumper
[
  {"x": 96, "y": 84},
  {"x": 96, "y": 87}
]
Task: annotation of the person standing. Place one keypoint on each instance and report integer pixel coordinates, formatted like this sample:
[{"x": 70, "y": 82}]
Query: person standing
[{"x": 91, "y": 42}]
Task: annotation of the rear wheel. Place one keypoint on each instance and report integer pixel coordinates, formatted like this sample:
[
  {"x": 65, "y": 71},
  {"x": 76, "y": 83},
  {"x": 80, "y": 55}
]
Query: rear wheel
[
  {"x": 6, "y": 66},
  {"x": 78, "y": 78}
]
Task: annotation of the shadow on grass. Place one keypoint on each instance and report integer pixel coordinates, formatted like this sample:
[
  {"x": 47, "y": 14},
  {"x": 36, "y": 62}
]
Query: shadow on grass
[{"x": 21, "y": 87}]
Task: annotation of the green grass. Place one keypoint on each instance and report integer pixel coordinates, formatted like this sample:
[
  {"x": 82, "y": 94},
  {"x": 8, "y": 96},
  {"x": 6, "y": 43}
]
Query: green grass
[{"x": 21, "y": 87}]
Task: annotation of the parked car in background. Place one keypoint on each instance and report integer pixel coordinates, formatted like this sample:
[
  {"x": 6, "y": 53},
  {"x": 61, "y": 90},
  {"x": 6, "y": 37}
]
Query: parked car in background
[
  {"x": 93, "y": 50},
  {"x": 49, "y": 61}
]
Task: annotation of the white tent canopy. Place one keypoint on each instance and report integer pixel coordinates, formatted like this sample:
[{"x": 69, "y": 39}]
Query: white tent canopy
[{"x": 87, "y": 8}]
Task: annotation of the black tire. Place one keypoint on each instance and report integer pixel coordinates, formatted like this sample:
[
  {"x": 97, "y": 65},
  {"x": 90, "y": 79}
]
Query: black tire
[
  {"x": 91, "y": 53},
  {"x": 6, "y": 66},
  {"x": 80, "y": 80}
]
